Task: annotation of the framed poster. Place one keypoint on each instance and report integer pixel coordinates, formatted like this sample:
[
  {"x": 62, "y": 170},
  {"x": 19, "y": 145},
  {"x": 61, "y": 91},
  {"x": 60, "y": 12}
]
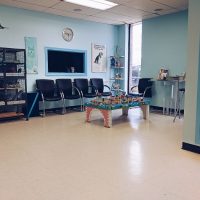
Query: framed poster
[
  {"x": 99, "y": 58},
  {"x": 31, "y": 55}
]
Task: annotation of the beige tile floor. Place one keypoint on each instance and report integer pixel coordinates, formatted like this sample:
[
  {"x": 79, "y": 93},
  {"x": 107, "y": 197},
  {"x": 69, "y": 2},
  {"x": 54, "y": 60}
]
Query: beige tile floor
[{"x": 61, "y": 157}]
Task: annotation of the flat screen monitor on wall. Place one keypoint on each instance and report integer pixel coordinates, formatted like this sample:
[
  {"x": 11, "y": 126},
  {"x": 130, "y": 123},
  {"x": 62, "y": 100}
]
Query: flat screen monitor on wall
[{"x": 65, "y": 62}]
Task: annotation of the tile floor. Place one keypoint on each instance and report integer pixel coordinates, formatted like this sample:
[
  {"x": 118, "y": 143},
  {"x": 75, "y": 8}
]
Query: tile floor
[{"x": 61, "y": 157}]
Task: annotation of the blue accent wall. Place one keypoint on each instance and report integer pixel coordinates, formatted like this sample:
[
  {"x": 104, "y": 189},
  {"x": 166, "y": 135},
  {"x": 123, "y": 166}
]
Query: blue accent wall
[
  {"x": 47, "y": 28},
  {"x": 197, "y": 135},
  {"x": 164, "y": 44}
]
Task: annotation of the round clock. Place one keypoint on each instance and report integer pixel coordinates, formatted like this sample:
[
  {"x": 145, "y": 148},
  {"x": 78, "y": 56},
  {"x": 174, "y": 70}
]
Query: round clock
[{"x": 67, "y": 34}]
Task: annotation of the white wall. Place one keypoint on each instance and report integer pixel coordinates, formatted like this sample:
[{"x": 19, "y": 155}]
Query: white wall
[{"x": 47, "y": 29}]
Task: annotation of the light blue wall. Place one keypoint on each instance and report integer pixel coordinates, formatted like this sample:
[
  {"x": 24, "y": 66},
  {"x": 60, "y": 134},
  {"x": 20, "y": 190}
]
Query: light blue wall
[
  {"x": 164, "y": 44},
  {"x": 47, "y": 29},
  {"x": 197, "y": 132},
  {"x": 191, "y": 129}
]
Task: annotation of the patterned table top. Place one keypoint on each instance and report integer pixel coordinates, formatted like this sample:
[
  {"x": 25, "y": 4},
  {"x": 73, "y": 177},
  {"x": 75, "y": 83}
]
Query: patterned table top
[{"x": 117, "y": 106}]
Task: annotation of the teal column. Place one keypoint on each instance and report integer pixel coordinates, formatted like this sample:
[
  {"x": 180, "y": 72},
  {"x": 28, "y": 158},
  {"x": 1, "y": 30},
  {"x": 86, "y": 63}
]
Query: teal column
[
  {"x": 191, "y": 134},
  {"x": 197, "y": 137}
]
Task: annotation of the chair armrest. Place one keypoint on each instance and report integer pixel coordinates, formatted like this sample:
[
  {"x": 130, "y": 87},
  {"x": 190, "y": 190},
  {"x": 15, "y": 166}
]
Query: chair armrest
[
  {"x": 147, "y": 88},
  {"x": 80, "y": 93},
  {"x": 107, "y": 87},
  {"x": 59, "y": 92},
  {"x": 133, "y": 87},
  {"x": 40, "y": 93}
]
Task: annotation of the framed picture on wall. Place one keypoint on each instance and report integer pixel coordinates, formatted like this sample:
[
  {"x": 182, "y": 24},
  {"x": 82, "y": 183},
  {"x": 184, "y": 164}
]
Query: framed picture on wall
[{"x": 99, "y": 58}]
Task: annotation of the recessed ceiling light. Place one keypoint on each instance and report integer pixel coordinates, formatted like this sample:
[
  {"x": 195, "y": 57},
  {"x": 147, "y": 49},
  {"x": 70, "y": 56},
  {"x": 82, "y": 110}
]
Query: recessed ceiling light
[
  {"x": 158, "y": 9},
  {"x": 77, "y": 10},
  {"x": 97, "y": 4}
]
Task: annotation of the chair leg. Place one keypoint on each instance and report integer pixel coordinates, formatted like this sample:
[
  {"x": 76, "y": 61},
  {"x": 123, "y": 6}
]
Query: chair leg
[
  {"x": 81, "y": 103},
  {"x": 44, "y": 114},
  {"x": 63, "y": 107},
  {"x": 83, "y": 106}
]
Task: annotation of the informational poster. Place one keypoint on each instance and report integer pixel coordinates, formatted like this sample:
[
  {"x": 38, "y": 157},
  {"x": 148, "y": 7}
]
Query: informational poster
[
  {"x": 31, "y": 55},
  {"x": 99, "y": 58}
]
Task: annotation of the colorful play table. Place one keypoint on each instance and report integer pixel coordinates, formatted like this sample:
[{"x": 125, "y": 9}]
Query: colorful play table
[{"x": 106, "y": 110}]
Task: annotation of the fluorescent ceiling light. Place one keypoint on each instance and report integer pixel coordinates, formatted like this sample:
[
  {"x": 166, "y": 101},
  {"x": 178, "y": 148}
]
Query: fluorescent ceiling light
[{"x": 97, "y": 4}]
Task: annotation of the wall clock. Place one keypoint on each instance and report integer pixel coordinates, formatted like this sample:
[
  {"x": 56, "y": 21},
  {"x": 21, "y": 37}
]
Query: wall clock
[{"x": 67, "y": 34}]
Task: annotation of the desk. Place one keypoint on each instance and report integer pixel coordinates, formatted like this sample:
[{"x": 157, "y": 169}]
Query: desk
[{"x": 106, "y": 110}]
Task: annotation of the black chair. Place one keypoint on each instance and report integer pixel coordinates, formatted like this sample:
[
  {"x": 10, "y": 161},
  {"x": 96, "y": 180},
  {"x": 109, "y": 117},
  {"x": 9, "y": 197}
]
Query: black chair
[
  {"x": 99, "y": 86},
  {"x": 86, "y": 90},
  {"x": 48, "y": 92},
  {"x": 144, "y": 88},
  {"x": 68, "y": 91}
]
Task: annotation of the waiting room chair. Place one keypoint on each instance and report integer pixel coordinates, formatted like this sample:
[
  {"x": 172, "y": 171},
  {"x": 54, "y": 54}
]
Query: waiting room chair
[
  {"x": 86, "y": 90},
  {"x": 144, "y": 88},
  {"x": 99, "y": 86},
  {"x": 68, "y": 91},
  {"x": 48, "y": 92}
]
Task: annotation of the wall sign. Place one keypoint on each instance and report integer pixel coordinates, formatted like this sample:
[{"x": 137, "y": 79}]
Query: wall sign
[{"x": 31, "y": 55}]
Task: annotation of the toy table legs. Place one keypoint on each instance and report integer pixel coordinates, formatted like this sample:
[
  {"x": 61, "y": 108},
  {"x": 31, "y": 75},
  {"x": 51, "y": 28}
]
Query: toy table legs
[
  {"x": 145, "y": 110},
  {"x": 125, "y": 111},
  {"x": 107, "y": 116}
]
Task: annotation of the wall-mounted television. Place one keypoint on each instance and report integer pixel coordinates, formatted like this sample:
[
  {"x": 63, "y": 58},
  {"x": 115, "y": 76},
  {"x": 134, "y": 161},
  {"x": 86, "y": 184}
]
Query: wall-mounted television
[{"x": 65, "y": 61}]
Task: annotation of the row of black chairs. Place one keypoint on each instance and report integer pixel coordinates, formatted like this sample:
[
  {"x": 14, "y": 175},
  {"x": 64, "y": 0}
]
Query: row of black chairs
[{"x": 65, "y": 89}]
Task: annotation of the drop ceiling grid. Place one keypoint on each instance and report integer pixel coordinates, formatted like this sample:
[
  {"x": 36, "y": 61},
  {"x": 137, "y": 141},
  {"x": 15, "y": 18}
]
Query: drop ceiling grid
[
  {"x": 45, "y": 3},
  {"x": 128, "y": 11},
  {"x": 179, "y": 4},
  {"x": 70, "y": 7},
  {"x": 147, "y": 5}
]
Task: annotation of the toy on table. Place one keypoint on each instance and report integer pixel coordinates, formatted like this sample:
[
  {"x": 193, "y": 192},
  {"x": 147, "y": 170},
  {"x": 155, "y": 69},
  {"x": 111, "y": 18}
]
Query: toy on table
[{"x": 113, "y": 100}]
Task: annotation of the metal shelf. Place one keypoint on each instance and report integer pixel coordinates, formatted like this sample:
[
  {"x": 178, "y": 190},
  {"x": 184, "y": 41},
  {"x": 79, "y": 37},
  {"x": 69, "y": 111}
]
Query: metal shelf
[
  {"x": 15, "y": 74},
  {"x": 17, "y": 102},
  {"x": 2, "y": 103},
  {"x": 13, "y": 86}
]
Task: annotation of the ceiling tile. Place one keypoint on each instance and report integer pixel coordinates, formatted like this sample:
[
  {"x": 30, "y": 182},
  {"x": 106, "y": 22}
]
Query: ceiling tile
[
  {"x": 131, "y": 12},
  {"x": 103, "y": 20},
  {"x": 174, "y": 3},
  {"x": 24, "y": 5},
  {"x": 164, "y": 12},
  {"x": 119, "y": 1},
  {"x": 113, "y": 16},
  {"x": 128, "y": 11},
  {"x": 64, "y": 6},
  {"x": 65, "y": 13},
  {"x": 45, "y": 3},
  {"x": 160, "y": 14},
  {"x": 146, "y": 5}
]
